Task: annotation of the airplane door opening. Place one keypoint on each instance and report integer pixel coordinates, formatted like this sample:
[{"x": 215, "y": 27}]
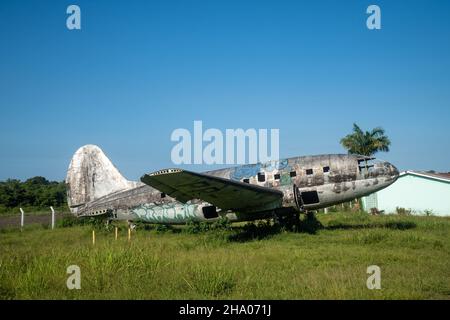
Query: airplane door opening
[
  {"x": 210, "y": 212},
  {"x": 309, "y": 197},
  {"x": 298, "y": 199}
]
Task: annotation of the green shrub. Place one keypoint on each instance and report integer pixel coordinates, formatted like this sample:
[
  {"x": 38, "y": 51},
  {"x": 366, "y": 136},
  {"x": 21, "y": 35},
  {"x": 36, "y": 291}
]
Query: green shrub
[
  {"x": 162, "y": 228},
  {"x": 67, "y": 222},
  {"x": 221, "y": 224},
  {"x": 403, "y": 211},
  {"x": 71, "y": 221},
  {"x": 194, "y": 227}
]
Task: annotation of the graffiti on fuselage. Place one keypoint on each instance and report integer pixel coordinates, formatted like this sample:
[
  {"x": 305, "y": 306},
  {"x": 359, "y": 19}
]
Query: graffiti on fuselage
[
  {"x": 167, "y": 213},
  {"x": 252, "y": 170},
  {"x": 245, "y": 172}
]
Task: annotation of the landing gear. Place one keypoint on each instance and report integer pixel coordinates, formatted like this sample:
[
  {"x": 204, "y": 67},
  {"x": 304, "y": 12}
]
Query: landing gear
[
  {"x": 298, "y": 199},
  {"x": 310, "y": 214},
  {"x": 310, "y": 224},
  {"x": 288, "y": 220}
]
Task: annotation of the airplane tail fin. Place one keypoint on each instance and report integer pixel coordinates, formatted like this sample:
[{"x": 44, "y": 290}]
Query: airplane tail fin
[{"x": 92, "y": 175}]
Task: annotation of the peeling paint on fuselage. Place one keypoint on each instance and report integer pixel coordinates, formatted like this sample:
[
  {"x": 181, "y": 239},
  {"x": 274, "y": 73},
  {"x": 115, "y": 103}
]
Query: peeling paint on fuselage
[{"x": 335, "y": 179}]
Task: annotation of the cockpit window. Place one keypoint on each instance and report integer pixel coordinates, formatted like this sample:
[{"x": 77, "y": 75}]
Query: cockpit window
[{"x": 366, "y": 165}]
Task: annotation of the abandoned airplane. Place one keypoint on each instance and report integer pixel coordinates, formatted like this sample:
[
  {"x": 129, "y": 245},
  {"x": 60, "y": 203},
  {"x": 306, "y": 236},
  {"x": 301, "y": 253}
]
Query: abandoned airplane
[{"x": 242, "y": 193}]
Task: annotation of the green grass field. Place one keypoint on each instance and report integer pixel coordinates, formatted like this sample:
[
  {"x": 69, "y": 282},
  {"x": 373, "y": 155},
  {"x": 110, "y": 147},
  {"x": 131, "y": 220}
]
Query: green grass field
[{"x": 330, "y": 263}]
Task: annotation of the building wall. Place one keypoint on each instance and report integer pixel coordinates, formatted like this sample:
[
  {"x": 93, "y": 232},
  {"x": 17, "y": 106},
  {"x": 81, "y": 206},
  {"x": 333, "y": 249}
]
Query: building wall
[{"x": 413, "y": 192}]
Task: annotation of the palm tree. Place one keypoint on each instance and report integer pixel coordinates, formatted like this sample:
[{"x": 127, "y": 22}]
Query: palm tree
[{"x": 366, "y": 143}]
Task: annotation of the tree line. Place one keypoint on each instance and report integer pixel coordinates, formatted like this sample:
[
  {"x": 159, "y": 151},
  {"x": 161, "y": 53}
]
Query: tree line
[{"x": 36, "y": 193}]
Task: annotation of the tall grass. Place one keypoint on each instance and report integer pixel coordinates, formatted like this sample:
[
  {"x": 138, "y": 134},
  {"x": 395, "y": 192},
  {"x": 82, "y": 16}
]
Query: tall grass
[{"x": 256, "y": 261}]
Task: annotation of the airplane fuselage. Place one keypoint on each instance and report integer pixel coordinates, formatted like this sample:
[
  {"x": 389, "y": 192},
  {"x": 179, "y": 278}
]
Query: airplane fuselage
[{"x": 307, "y": 183}]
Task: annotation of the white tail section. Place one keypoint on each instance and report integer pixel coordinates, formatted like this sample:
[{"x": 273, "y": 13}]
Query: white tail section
[{"x": 92, "y": 175}]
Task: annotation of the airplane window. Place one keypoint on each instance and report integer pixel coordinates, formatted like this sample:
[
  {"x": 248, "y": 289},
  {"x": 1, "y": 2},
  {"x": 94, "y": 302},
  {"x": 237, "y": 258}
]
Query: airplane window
[
  {"x": 326, "y": 169},
  {"x": 309, "y": 172},
  {"x": 246, "y": 181},
  {"x": 261, "y": 177},
  {"x": 293, "y": 174},
  {"x": 276, "y": 176}
]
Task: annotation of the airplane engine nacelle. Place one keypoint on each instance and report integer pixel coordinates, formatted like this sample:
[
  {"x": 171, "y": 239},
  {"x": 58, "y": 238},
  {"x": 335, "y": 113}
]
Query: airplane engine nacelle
[{"x": 306, "y": 198}]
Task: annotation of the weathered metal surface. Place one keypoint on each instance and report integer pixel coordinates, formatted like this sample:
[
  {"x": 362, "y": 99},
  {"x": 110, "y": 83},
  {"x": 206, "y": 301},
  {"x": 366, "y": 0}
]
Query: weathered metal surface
[
  {"x": 96, "y": 187},
  {"x": 91, "y": 175},
  {"x": 222, "y": 192}
]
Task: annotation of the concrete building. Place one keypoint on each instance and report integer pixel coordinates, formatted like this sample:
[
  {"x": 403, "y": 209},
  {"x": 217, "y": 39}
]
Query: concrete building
[{"x": 415, "y": 191}]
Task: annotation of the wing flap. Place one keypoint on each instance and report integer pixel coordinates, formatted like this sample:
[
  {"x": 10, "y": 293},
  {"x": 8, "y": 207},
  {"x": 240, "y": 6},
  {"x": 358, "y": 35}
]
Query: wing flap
[{"x": 224, "y": 193}]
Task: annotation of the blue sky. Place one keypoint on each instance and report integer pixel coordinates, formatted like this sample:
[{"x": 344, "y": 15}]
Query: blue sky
[{"x": 137, "y": 70}]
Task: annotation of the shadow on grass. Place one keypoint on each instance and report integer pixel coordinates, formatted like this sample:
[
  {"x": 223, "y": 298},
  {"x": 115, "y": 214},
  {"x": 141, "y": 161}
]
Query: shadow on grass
[
  {"x": 252, "y": 231},
  {"x": 310, "y": 225},
  {"x": 265, "y": 229},
  {"x": 393, "y": 225}
]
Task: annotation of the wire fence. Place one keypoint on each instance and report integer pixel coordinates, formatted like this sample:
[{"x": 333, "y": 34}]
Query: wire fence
[{"x": 19, "y": 220}]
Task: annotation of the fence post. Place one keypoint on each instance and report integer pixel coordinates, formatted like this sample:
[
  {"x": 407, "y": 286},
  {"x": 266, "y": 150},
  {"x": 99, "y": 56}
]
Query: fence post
[
  {"x": 22, "y": 218},
  {"x": 53, "y": 217}
]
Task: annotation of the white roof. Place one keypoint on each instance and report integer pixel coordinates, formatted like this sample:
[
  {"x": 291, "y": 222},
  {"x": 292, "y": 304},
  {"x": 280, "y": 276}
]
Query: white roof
[{"x": 434, "y": 176}]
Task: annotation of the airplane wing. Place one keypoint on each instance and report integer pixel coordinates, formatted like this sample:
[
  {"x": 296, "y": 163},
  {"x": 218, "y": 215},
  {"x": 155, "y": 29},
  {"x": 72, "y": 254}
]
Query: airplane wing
[{"x": 223, "y": 193}]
